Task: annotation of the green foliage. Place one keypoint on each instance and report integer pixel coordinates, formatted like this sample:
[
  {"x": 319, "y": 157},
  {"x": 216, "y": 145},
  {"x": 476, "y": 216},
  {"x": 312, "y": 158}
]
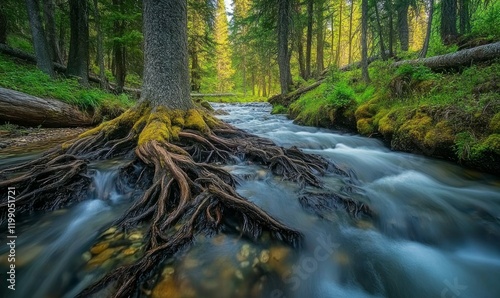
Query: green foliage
[
  {"x": 279, "y": 109},
  {"x": 340, "y": 95},
  {"x": 416, "y": 72},
  {"x": 486, "y": 22},
  {"x": 30, "y": 80}
]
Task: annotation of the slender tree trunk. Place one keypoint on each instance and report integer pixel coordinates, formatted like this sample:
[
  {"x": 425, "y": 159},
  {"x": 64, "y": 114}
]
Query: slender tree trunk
[
  {"x": 300, "y": 54},
  {"x": 380, "y": 34},
  {"x": 244, "y": 73},
  {"x": 337, "y": 57},
  {"x": 320, "y": 39},
  {"x": 78, "y": 59},
  {"x": 253, "y": 82},
  {"x": 100, "y": 47},
  {"x": 464, "y": 20},
  {"x": 391, "y": 28},
  {"x": 428, "y": 32},
  {"x": 195, "y": 70},
  {"x": 310, "y": 15},
  {"x": 43, "y": 60},
  {"x": 364, "y": 40},
  {"x": 283, "y": 52},
  {"x": 349, "y": 61},
  {"x": 332, "y": 40},
  {"x": 403, "y": 30},
  {"x": 119, "y": 49},
  {"x": 62, "y": 36},
  {"x": 3, "y": 25},
  {"x": 49, "y": 8},
  {"x": 448, "y": 21},
  {"x": 162, "y": 38}
]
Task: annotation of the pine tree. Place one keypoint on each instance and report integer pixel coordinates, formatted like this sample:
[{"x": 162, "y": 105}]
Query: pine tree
[{"x": 222, "y": 49}]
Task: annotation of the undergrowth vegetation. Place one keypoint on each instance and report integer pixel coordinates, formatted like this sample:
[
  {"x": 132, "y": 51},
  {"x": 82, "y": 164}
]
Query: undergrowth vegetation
[
  {"x": 453, "y": 115},
  {"x": 27, "y": 78}
]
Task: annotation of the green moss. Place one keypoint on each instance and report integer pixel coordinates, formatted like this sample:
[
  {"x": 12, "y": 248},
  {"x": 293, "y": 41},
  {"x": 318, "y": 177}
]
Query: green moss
[
  {"x": 490, "y": 144},
  {"x": 367, "y": 110},
  {"x": 28, "y": 79},
  {"x": 194, "y": 120},
  {"x": 495, "y": 123},
  {"x": 365, "y": 126},
  {"x": 442, "y": 133},
  {"x": 279, "y": 109}
]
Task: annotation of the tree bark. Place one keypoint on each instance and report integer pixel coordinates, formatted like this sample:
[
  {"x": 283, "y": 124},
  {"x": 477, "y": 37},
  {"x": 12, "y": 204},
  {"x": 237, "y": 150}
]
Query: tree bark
[
  {"x": 100, "y": 47},
  {"x": 403, "y": 30},
  {"x": 166, "y": 75},
  {"x": 43, "y": 60},
  {"x": 428, "y": 32},
  {"x": 3, "y": 25},
  {"x": 391, "y": 28},
  {"x": 310, "y": 14},
  {"x": 51, "y": 30},
  {"x": 458, "y": 59},
  {"x": 119, "y": 50},
  {"x": 448, "y": 21},
  {"x": 380, "y": 34},
  {"x": 464, "y": 17},
  {"x": 283, "y": 52},
  {"x": 78, "y": 59},
  {"x": 320, "y": 41},
  {"x": 23, "y": 109},
  {"x": 300, "y": 54},
  {"x": 337, "y": 55},
  {"x": 349, "y": 59},
  {"x": 364, "y": 41}
]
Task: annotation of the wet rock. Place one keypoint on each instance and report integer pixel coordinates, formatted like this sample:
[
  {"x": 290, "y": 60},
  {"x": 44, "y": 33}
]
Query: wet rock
[
  {"x": 264, "y": 256},
  {"x": 238, "y": 274},
  {"x": 101, "y": 258},
  {"x": 99, "y": 247},
  {"x": 135, "y": 236},
  {"x": 129, "y": 251}
]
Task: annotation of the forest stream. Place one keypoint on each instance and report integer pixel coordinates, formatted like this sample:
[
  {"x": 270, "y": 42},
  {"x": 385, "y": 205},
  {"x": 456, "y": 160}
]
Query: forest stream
[{"x": 433, "y": 228}]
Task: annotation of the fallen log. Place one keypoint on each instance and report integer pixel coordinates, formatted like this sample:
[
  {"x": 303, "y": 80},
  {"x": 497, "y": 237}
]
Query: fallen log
[
  {"x": 286, "y": 99},
  {"x": 458, "y": 59},
  {"x": 23, "y": 109}
]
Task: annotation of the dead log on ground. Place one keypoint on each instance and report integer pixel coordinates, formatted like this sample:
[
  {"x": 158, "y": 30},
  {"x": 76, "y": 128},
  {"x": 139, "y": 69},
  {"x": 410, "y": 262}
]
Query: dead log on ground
[
  {"x": 23, "y": 109},
  {"x": 458, "y": 59}
]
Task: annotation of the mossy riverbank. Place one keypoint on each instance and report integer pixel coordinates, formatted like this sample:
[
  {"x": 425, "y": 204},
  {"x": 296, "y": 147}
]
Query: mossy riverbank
[{"x": 451, "y": 115}]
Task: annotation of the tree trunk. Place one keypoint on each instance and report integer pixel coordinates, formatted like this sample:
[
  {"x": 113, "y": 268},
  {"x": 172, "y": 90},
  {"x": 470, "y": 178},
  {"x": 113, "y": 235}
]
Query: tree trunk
[
  {"x": 300, "y": 54},
  {"x": 23, "y": 109},
  {"x": 3, "y": 25},
  {"x": 349, "y": 60},
  {"x": 43, "y": 60},
  {"x": 391, "y": 28},
  {"x": 403, "y": 31},
  {"x": 320, "y": 41},
  {"x": 166, "y": 76},
  {"x": 78, "y": 59},
  {"x": 448, "y": 21},
  {"x": 464, "y": 17},
  {"x": 310, "y": 15},
  {"x": 459, "y": 59},
  {"x": 428, "y": 32},
  {"x": 119, "y": 51},
  {"x": 283, "y": 55},
  {"x": 195, "y": 69},
  {"x": 337, "y": 55},
  {"x": 100, "y": 47},
  {"x": 364, "y": 41},
  {"x": 380, "y": 34},
  {"x": 49, "y": 10}
]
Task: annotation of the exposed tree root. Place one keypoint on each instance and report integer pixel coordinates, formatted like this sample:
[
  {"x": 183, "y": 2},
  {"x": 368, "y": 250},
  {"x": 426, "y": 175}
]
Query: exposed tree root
[{"x": 185, "y": 192}]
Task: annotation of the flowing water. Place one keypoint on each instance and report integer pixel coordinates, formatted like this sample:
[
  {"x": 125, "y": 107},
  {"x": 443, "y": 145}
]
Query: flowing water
[{"x": 434, "y": 229}]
